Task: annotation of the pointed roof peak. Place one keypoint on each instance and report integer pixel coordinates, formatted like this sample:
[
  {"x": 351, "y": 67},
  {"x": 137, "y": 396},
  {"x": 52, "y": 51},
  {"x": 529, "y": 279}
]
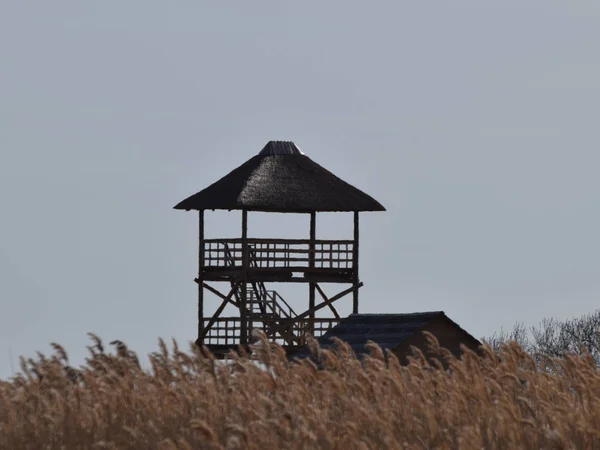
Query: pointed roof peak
[{"x": 280, "y": 148}]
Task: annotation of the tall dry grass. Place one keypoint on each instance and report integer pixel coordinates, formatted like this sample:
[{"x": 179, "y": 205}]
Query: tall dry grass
[{"x": 187, "y": 401}]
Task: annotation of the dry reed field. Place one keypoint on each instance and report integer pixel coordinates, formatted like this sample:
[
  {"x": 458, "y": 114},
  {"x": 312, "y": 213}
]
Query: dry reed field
[{"x": 187, "y": 401}]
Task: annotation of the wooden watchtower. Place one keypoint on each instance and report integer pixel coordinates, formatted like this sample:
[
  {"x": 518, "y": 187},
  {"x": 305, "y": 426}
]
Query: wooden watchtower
[{"x": 280, "y": 179}]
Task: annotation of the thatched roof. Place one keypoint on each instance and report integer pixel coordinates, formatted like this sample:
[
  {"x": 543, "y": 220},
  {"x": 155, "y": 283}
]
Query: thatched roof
[{"x": 281, "y": 179}]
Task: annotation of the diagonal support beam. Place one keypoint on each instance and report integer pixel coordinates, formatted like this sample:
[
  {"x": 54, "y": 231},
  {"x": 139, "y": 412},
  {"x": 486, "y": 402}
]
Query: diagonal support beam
[
  {"x": 223, "y": 297},
  {"x": 219, "y": 310},
  {"x": 319, "y": 306},
  {"x": 326, "y": 300},
  {"x": 285, "y": 330},
  {"x": 331, "y": 300}
]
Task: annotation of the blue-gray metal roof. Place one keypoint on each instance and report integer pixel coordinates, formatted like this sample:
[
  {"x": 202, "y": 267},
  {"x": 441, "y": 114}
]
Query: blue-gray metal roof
[{"x": 386, "y": 330}]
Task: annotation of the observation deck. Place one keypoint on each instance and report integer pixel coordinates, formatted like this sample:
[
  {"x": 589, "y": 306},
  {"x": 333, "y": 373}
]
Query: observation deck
[{"x": 271, "y": 260}]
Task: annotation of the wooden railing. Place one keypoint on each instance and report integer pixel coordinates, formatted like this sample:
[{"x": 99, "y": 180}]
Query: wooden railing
[
  {"x": 279, "y": 253},
  {"x": 226, "y": 330},
  {"x": 268, "y": 302}
]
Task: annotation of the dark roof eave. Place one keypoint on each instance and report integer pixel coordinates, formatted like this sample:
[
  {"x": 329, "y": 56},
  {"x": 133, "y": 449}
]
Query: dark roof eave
[
  {"x": 469, "y": 335},
  {"x": 179, "y": 207}
]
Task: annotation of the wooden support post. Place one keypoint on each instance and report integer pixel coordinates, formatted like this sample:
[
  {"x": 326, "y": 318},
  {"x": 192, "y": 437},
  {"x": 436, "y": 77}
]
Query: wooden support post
[
  {"x": 311, "y": 265},
  {"x": 244, "y": 294},
  {"x": 200, "y": 275},
  {"x": 355, "y": 266}
]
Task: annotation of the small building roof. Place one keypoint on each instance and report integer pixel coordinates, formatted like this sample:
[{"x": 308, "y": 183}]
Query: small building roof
[
  {"x": 281, "y": 179},
  {"x": 388, "y": 331}
]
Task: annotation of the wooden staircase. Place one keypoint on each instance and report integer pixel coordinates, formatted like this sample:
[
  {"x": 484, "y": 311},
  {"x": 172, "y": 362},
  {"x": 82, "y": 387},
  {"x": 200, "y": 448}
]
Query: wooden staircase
[{"x": 266, "y": 307}]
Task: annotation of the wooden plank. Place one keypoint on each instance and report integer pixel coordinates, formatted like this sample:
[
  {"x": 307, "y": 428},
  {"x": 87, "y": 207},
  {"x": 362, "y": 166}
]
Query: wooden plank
[
  {"x": 304, "y": 259},
  {"x": 279, "y": 279},
  {"x": 278, "y": 269},
  {"x": 281, "y": 276},
  {"x": 221, "y": 272},
  {"x": 296, "y": 251},
  {"x": 325, "y": 270},
  {"x": 323, "y": 320},
  {"x": 280, "y": 259},
  {"x": 277, "y": 241},
  {"x": 231, "y": 271},
  {"x": 259, "y": 241}
]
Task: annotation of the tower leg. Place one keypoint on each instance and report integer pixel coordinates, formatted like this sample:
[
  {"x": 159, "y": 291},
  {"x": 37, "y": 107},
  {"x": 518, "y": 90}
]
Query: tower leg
[
  {"x": 200, "y": 274},
  {"x": 355, "y": 266},
  {"x": 244, "y": 290},
  {"x": 311, "y": 264}
]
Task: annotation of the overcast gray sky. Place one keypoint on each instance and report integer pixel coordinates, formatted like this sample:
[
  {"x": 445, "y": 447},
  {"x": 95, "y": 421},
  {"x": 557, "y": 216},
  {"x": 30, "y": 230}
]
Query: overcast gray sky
[{"x": 475, "y": 124}]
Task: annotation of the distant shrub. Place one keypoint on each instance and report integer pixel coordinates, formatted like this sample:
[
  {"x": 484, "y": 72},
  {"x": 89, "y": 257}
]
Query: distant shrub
[{"x": 552, "y": 337}]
